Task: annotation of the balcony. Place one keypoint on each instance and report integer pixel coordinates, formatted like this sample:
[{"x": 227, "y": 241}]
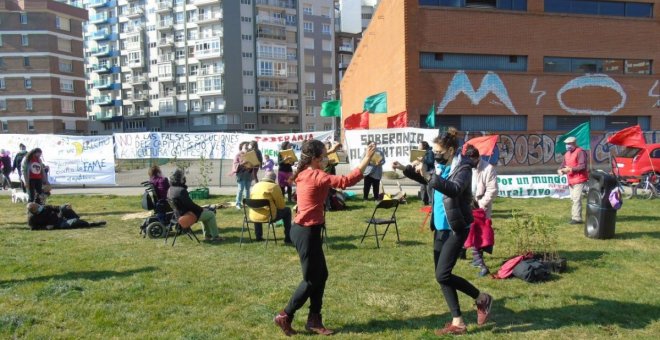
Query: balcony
[
  {"x": 166, "y": 42},
  {"x": 132, "y": 46},
  {"x": 139, "y": 97},
  {"x": 104, "y": 69},
  {"x": 133, "y": 12},
  {"x": 135, "y": 63},
  {"x": 139, "y": 80},
  {"x": 97, "y": 3},
  {"x": 104, "y": 101},
  {"x": 164, "y": 6},
  {"x": 101, "y": 35},
  {"x": 99, "y": 19},
  {"x": 269, "y": 73},
  {"x": 345, "y": 48},
  {"x": 271, "y": 35},
  {"x": 105, "y": 114},
  {"x": 262, "y": 19},
  {"x": 204, "y": 2},
  {"x": 276, "y": 3},
  {"x": 131, "y": 29},
  {"x": 104, "y": 52},
  {"x": 209, "y": 53},
  {"x": 166, "y": 58},
  {"x": 164, "y": 25},
  {"x": 167, "y": 106},
  {"x": 165, "y": 77},
  {"x": 106, "y": 85},
  {"x": 209, "y": 17}
]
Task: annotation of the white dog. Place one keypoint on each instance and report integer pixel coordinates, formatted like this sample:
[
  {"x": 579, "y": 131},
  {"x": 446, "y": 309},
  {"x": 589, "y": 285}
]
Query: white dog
[{"x": 18, "y": 196}]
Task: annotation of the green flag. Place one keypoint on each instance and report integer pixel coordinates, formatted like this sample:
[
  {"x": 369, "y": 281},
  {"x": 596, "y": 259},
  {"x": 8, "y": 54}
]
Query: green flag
[
  {"x": 376, "y": 103},
  {"x": 331, "y": 108},
  {"x": 582, "y": 134},
  {"x": 430, "y": 119}
]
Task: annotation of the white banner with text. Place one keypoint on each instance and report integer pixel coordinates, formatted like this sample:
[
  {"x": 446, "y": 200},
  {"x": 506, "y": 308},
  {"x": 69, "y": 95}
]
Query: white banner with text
[{"x": 533, "y": 186}]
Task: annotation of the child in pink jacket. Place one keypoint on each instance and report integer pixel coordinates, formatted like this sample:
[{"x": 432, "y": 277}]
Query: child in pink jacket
[{"x": 481, "y": 238}]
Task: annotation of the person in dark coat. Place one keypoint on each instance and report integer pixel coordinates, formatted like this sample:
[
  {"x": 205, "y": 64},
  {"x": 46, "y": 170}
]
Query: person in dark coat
[
  {"x": 18, "y": 159},
  {"x": 450, "y": 221},
  {"x": 183, "y": 204},
  {"x": 50, "y": 217},
  {"x": 5, "y": 164}
]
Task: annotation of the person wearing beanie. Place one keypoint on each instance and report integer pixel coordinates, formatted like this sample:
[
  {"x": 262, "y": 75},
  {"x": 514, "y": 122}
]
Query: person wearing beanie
[{"x": 268, "y": 189}]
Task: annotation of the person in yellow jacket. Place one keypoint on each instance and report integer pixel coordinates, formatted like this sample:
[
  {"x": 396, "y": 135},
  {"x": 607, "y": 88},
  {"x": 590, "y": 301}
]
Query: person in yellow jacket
[{"x": 268, "y": 189}]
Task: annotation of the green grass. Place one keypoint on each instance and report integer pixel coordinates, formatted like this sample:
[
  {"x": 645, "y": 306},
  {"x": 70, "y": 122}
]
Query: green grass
[{"x": 111, "y": 283}]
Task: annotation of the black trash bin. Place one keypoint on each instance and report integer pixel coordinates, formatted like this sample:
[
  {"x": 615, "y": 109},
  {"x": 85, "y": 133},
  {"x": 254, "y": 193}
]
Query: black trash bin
[{"x": 601, "y": 217}]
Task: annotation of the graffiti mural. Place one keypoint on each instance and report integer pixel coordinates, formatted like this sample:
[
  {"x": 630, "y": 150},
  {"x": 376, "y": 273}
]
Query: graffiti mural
[
  {"x": 653, "y": 94},
  {"x": 539, "y": 94},
  {"x": 593, "y": 80},
  {"x": 491, "y": 83}
]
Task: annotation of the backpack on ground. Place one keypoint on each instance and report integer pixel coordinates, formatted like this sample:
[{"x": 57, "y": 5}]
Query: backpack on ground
[
  {"x": 337, "y": 201},
  {"x": 531, "y": 270}
]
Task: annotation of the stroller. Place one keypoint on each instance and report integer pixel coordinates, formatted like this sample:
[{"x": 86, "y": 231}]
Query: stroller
[{"x": 152, "y": 226}]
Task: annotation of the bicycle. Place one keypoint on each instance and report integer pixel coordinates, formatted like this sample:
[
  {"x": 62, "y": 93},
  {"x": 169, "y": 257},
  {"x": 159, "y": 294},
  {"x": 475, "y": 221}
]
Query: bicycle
[{"x": 648, "y": 187}]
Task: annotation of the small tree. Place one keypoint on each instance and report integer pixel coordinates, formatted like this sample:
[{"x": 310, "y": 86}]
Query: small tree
[{"x": 205, "y": 172}]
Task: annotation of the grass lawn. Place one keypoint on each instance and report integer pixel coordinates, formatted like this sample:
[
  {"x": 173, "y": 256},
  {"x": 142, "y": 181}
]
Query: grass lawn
[{"x": 111, "y": 283}]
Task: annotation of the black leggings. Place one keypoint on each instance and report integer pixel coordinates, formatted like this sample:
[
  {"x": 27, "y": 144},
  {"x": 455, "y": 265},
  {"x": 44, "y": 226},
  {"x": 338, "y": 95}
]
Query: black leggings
[
  {"x": 371, "y": 182},
  {"x": 36, "y": 189},
  {"x": 447, "y": 246},
  {"x": 314, "y": 269}
]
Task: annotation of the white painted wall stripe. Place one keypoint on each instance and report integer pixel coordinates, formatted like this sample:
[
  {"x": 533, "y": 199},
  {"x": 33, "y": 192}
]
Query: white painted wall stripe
[
  {"x": 59, "y": 35},
  {"x": 40, "y": 54}
]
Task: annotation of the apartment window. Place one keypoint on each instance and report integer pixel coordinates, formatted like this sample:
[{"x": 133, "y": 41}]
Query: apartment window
[
  {"x": 248, "y": 91},
  {"x": 28, "y": 104},
  {"x": 247, "y": 55},
  {"x": 246, "y": 2},
  {"x": 310, "y": 77},
  {"x": 68, "y": 106},
  {"x": 24, "y": 18},
  {"x": 3, "y": 105},
  {"x": 248, "y": 108},
  {"x": 309, "y": 111},
  {"x": 62, "y": 23},
  {"x": 2, "y": 61},
  {"x": 65, "y": 66},
  {"x": 515, "y": 5},
  {"x": 0, "y": 40},
  {"x": 311, "y": 127},
  {"x": 307, "y": 9},
  {"x": 325, "y": 28},
  {"x": 291, "y": 19},
  {"x": 64, "y": 45},
  {"x": 484, "y": 62},
  {"x": 25, "y": 41},
  {"x": 308, "y": 26},
  {"x": 3, "y": 85},
  {"x": 327, "y": 79},
  {"x": 202, "y": 121},
  {"x": 248, "y": 73},
  {"x": 367, "y": 16},
  {"x": 482, "y": 123},
  {"x": 250, "y": 126},
  {"x": 592, "y": 65},
  {"x": 597, "y": 123},
  {"x": 310, "y": 94},
  {"x": 66, "y": 85},
  {"x": 27, "y": 83},
  {"x": 309, "y": 60},
  {"x": 246, "y": 19},
  {"x": 246, "y": 37},
  {"x": 610, "y": 8},
  {"x": 327, "y": 126}
]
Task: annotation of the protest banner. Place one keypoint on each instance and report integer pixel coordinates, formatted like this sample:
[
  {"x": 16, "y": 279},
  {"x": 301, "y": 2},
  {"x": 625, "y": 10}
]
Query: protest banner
[
  {"x": 73, "y": 160},
  {"x": 533, "y": 186},
  {"x": 395, "y": 144},
  {"x": 210, "y": 145}
]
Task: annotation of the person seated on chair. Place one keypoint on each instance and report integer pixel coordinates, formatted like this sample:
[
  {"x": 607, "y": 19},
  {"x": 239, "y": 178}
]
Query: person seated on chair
[
  {"x": 178, "y": 193},
  {"x": 50, "y": 217},
  {"x": 161, "y": 185},
  {"x": 268, "y": 189}
]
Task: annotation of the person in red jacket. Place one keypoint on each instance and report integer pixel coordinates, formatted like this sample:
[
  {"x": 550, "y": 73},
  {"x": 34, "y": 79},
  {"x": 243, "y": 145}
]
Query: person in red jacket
[
  {"x": 574, "y": 167},
  {"x": 481, "y": 238},
  {"x": 312, "y": 185}
]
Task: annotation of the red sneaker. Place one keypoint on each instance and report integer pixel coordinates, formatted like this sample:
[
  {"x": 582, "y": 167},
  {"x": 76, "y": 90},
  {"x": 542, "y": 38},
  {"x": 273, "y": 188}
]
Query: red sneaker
[
  {"x": 315, "y": 324},
  {"x": 284, "y": 321},
  {"x": 483, "y": 309},
  {"x": 451, "y": 329}
]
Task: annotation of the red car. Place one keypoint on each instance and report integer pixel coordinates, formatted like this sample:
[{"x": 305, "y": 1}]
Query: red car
[{"x": 637, "y": 162}]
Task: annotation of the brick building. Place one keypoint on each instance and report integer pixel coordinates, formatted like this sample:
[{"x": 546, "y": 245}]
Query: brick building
[
  {"x": 521, "y": 66},
  {"x": 42, "y": 81}
]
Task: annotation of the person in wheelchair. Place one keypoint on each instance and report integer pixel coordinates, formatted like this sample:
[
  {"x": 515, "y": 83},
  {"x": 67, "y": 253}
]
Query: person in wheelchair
[
  {"x": 161, "y": 186},
  {"x": 183, "y": 204},
  {"x": 50, "y": 217}
]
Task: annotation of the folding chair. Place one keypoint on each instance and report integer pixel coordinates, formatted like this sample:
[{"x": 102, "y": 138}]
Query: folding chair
[
  {"x": 257, "y": 204},
  {"x": 384, "y": 204},
  {"x": 324, "y": 232},
  {"x": 182, "y": 224}
]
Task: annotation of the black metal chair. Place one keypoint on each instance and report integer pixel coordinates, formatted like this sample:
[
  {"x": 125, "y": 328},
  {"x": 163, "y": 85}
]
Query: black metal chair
[
  {"x": 178, "y": 229},
  {"x": 257, "y": 204},
  {"x": 387, "y": 205}
]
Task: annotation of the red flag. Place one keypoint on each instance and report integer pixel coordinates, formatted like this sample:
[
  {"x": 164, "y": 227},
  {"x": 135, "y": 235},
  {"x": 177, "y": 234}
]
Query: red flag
[
  {"x": 485, "y": 144},
  {"x": 364, "y": 120},
  {"x": 399, "y": 120},
  {"x": 357, "y": 121},
  {"x": 630, "y": 136}
]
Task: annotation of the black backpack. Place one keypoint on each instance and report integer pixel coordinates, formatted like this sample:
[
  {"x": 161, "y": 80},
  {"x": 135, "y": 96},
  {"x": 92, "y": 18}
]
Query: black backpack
[
  {"x": 147, "y": 201},
  {"x": 531, "y": 270}
]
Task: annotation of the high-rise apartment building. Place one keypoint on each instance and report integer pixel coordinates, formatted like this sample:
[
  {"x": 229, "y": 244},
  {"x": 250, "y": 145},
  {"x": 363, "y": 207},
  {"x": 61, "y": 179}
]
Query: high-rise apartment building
[
  {"x": 207, "y": 65},
  {"x": 42, "y": 83}
]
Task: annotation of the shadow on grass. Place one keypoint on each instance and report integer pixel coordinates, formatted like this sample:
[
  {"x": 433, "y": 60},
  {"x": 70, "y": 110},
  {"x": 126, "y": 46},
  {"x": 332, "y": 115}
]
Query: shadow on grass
[
  {"x": 591, "y": 311},
  {"x": 637, "y": 218},
  {"x": 639, "y": 234},
  {"x": 581, "y": 255},
  {"x": 379, "y": 326},
  {"x": 94, "y": 275}
]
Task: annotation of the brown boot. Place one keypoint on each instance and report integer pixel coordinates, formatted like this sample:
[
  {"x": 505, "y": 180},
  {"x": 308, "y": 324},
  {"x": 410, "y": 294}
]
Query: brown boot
[
  {"x": 315, "y": 324},
  {"x": 284, "y": 321}
]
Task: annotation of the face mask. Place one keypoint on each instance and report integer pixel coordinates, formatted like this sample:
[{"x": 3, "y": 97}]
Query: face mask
[
  {"x": 440, "y": 158},
  {"x": 570, "y": 148}
]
